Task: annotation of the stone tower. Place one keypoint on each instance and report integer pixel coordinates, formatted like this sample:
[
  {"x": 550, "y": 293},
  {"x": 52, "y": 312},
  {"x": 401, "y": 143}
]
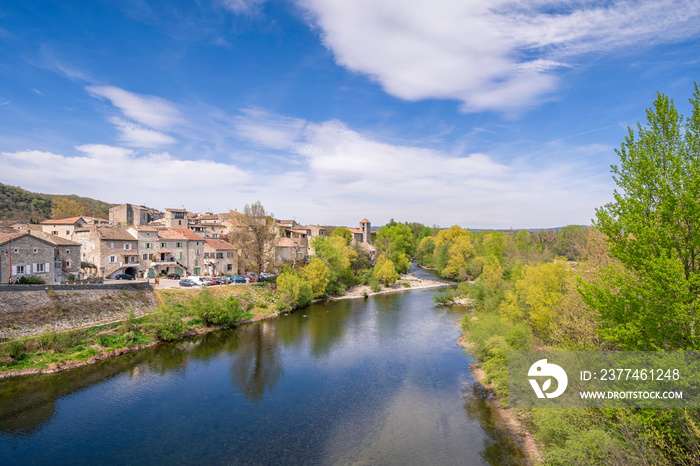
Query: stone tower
[{"x": 365, "y": 228}]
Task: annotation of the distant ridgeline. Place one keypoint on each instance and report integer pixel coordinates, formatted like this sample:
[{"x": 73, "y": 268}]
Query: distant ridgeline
[{"x": 19, "y": 204}]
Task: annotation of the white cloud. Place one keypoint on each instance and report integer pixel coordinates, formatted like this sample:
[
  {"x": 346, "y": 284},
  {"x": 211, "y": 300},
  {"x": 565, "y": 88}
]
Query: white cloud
[
  {"x": 116, "y": 174},
  {"x": 496, "y": 55},
  {"x": 138, "y": 136},
  {"x": 268, "y": 130},
  {"x": 154, "y": 112}
]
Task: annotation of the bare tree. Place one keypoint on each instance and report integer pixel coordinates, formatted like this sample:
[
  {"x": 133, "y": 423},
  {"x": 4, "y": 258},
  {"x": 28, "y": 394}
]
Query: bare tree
[{"x": 256, "y": 237}]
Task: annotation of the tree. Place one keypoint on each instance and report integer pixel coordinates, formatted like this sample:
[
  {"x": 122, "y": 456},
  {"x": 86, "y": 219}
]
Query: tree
[
  {"x": 256, "y": 237},
  {"x": 343, "y": 233},
  {"x": 650, "y": 299},
  {"x": 318, "y": 275},
  {"x": 385, "y": 271}
]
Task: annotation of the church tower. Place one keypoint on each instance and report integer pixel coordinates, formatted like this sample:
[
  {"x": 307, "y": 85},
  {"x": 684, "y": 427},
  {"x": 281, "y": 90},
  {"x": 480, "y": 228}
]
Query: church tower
[{"x": 365, "y": 229}]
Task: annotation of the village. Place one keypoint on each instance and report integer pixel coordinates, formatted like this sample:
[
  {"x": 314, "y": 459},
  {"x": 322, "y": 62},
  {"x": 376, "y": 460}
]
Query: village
[{"x": 138, "y": 242}]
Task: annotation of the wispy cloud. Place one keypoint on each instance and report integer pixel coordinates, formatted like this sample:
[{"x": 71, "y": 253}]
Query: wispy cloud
[
  {"x": 244, "y": 7},
  {"x": 154, "y": 112},
  {"x": 37, "y": 91},
  {"x": 499, "y": 55},
  {"x": 136, "y": 135}
]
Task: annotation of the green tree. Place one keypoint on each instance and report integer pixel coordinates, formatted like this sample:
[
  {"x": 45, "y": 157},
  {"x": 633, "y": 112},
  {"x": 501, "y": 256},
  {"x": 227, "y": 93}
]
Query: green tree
[
  {"x": 295, "y": 290},
  {"x": 343, "y": 233},
  {"x": 385, "y": 271},
  {"x": 318, "y": 275},
  {"x": 650, "y": 300}
]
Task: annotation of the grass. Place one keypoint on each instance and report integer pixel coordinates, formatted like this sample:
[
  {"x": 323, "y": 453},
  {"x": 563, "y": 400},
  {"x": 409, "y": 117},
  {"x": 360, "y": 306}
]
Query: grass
[{"x": 176, "y": 311}]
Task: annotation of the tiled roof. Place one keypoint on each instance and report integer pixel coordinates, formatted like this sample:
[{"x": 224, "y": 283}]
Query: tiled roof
[
  {"x": 62, "y": 221},
  {"x": 5, "y": 237},
  {"x": 56, "y": 240},
  {"x": 288, "y": 243},
  {"x": 189, "y": 234},
  {"x": 355, "y": 230},
  {"x": 170, "y": 234},
  {"x": 117, "y": 234},
  {"x": 95, "y": 220},
  {"x": 364, "y": 220},
  {"x": 219, "y": 244}
]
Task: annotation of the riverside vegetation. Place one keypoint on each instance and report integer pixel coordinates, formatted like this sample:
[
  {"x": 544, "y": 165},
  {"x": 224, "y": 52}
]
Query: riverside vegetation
[
  {"x": 181, "y": 313},
  {"x": 628, "y": 283}
]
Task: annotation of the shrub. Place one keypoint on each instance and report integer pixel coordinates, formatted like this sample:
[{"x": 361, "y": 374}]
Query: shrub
[
  {"x": 374, "y": 285},
  {"x": 168, "y": 324},
  {"x": 31, "y": 280},
  {"x": 221, "y": 313},
  {"x": 295, "y": 290}
]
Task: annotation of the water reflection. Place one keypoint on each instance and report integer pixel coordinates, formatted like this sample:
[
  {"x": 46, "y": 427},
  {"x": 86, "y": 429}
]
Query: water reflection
[
  {"x": 354, "y": 381},
  {"x": 256, "y": 366}
]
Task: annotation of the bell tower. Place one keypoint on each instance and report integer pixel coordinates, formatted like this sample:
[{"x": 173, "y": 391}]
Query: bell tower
[{"x": 365, "y": 228}]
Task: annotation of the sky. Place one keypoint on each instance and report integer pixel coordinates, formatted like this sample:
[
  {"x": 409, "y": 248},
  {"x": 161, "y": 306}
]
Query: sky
[{"x": 498, "y": 114}]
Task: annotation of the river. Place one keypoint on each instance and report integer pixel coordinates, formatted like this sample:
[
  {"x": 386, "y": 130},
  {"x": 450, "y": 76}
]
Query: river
[{"x": 364, "y": 381}]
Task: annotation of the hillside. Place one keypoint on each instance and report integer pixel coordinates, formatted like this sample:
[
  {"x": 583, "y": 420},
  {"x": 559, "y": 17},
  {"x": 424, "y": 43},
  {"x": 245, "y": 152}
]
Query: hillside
[{"x": 20, "y": 204}]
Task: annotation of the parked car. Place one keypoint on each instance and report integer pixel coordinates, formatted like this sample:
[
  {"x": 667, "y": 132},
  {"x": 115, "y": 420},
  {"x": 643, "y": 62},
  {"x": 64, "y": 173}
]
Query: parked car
[
  {"x": 198, "y": 280},
  {"x": 238, "y": 279},
  {"x": 267, "y": 276},
  {"x": 215, "y": 281},
  {"x": 187, "y": 282},
  {"x": 174, "y": 276},
  {"x": 124, "y": 276}
]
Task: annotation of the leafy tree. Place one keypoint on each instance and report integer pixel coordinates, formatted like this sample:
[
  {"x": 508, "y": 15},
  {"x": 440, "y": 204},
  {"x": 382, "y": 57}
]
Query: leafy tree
[
  {"x": 295, "y": 290},
  {"x": 396, "y": 238},
  {"x": 256, "y": 238},
  {"x": 650, "y": 299},
  {"x": 385, "y": 271},
  {"x": 425, "y": 251},
  {"x": 318, "y": 275},
  {"x": 64, "y": 207},
  {"x": 343, "y": 233}
]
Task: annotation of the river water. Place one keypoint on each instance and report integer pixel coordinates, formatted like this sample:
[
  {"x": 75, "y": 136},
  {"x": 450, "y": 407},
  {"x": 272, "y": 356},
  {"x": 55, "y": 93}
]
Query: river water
[{"x": 368, "y": 381}]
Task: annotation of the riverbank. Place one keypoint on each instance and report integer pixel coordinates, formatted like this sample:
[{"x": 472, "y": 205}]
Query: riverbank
[
  {"x": 512, "y": 419},
  {"x": 406, "y": 282},
  {"x": 258, "y": 301}
]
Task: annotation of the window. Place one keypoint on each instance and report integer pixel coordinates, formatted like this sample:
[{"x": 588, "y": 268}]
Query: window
[
  {"x": 111, "y": 245},
  {"x": 229, "y": 267},
  {"x": 67, "y": 264},
  {"x": 179, "y": 214},
  {"x": 16, "y": 250},
  {"x": 35, "y": 250},
  {"x": 112, "y": 259},
  {"x": 206, "y": 255},
  {"x": 20, "y": 270},
  {"x": 162, "y": 245},
  {"x": 196, "y": 262},
  {"x": 127, "y": 246},
  {"x": 179, "y": 222},
  {"x": 219, "y": 255},
  {"x": 39, "y": 268},
  {"x": 178, "y": 245},
  {"x": 68, "y": 251},
  {"x": 67, "y": 232},
  {"x": 148, "y": 245},
  {"x": 179, "y": 256},
  {"x": 145, "y": 256},
  {"x": 197, "y": 252},
  {"x": 54, "y": 232}
]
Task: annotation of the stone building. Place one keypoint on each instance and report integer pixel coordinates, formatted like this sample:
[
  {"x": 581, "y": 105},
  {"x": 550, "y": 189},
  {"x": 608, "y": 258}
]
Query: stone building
[
  {"x": 133, "y": 215},
  {"x": 37, "y": 254},
  {"x": 176, "y": 218},
  {"x": 220, "y": 258},
  {"x": 111, "y": 249}
]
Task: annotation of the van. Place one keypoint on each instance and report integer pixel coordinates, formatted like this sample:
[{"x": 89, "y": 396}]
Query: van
[{"x": 198, "y": 280}]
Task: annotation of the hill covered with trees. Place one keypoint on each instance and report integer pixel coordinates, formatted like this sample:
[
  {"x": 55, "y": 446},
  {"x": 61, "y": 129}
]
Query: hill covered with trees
[{"x": 19, "y": 204}]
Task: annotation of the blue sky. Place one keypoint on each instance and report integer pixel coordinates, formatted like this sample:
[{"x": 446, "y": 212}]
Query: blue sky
[{"x": 492, "y": 114}]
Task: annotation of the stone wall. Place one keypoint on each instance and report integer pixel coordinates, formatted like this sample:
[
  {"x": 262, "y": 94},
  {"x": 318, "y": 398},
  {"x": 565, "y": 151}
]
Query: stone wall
[{"x": 31, "y": 311}]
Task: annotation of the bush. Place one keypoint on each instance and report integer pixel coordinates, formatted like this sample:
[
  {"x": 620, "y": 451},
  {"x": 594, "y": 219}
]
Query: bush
[
  {"x": 295, "y": 290},
  {"x": 222, "y": 313},
  {"x": 374, "y": 285},
  {"x": 168, "y": 324},
  {"x": 31, "y": 280}
]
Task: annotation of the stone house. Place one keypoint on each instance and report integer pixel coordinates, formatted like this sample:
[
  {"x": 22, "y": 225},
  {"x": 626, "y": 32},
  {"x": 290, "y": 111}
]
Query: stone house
[
  {"x": 37, "y": 254},
  {"x": 111, "y": 249},
  {"x": 132, "y": 215},
  {"x": 362, "y": 234},
  {"x": 64, "y": 227},
  {"x": 220, "y": 258},
  {"x": 176, "y": 218}
]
